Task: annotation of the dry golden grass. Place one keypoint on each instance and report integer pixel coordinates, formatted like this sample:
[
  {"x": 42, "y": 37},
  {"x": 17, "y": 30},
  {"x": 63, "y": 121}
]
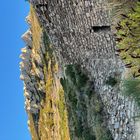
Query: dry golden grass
[
  {"x": 32, "y": 127},
  {"x": 36, "y": 29},
  {"x": 53, "y": 121}
]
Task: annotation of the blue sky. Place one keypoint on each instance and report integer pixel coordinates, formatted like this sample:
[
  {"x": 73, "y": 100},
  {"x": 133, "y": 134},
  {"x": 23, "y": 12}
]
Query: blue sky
[{"x": 13, "y": 118}]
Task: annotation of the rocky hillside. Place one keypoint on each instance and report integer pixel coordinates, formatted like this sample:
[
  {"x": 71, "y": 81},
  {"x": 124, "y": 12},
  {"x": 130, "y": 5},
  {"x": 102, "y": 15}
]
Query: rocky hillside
[{"x": 73, "y": 74}]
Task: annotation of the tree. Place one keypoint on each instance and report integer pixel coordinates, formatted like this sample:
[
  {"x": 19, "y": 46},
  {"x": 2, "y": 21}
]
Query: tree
[{"x": 128, "y": 37}]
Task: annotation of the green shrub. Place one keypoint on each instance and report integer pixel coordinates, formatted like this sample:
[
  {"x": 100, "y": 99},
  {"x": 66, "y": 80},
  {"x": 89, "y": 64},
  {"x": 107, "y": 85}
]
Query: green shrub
[
  {"x": 72, "y": 97},
  {"x": 71, "y": 73},
  {"x": 101, "y": 131},
  {"x": 128, "y": 38},
  {"x": 63, "y": 83},
  {"x": 131, "y": 88},
  {"x": 46, "y": 39},
  {"x": 88, "y": 135},
  {"x": 79, "y": 129},
  {"x": 112, "y": 81},
  {"x": 76, "y": 85},
  {"x": 76, "y": 75}
]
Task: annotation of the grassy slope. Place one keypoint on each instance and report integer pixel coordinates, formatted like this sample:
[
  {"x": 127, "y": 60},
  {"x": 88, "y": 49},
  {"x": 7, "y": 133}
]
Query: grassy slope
[{"x": 53, "y": 114}]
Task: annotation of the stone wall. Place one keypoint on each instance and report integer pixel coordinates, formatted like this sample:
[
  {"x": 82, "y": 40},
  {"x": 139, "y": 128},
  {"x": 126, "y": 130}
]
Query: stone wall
[{"x": 80, "y": 31}]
